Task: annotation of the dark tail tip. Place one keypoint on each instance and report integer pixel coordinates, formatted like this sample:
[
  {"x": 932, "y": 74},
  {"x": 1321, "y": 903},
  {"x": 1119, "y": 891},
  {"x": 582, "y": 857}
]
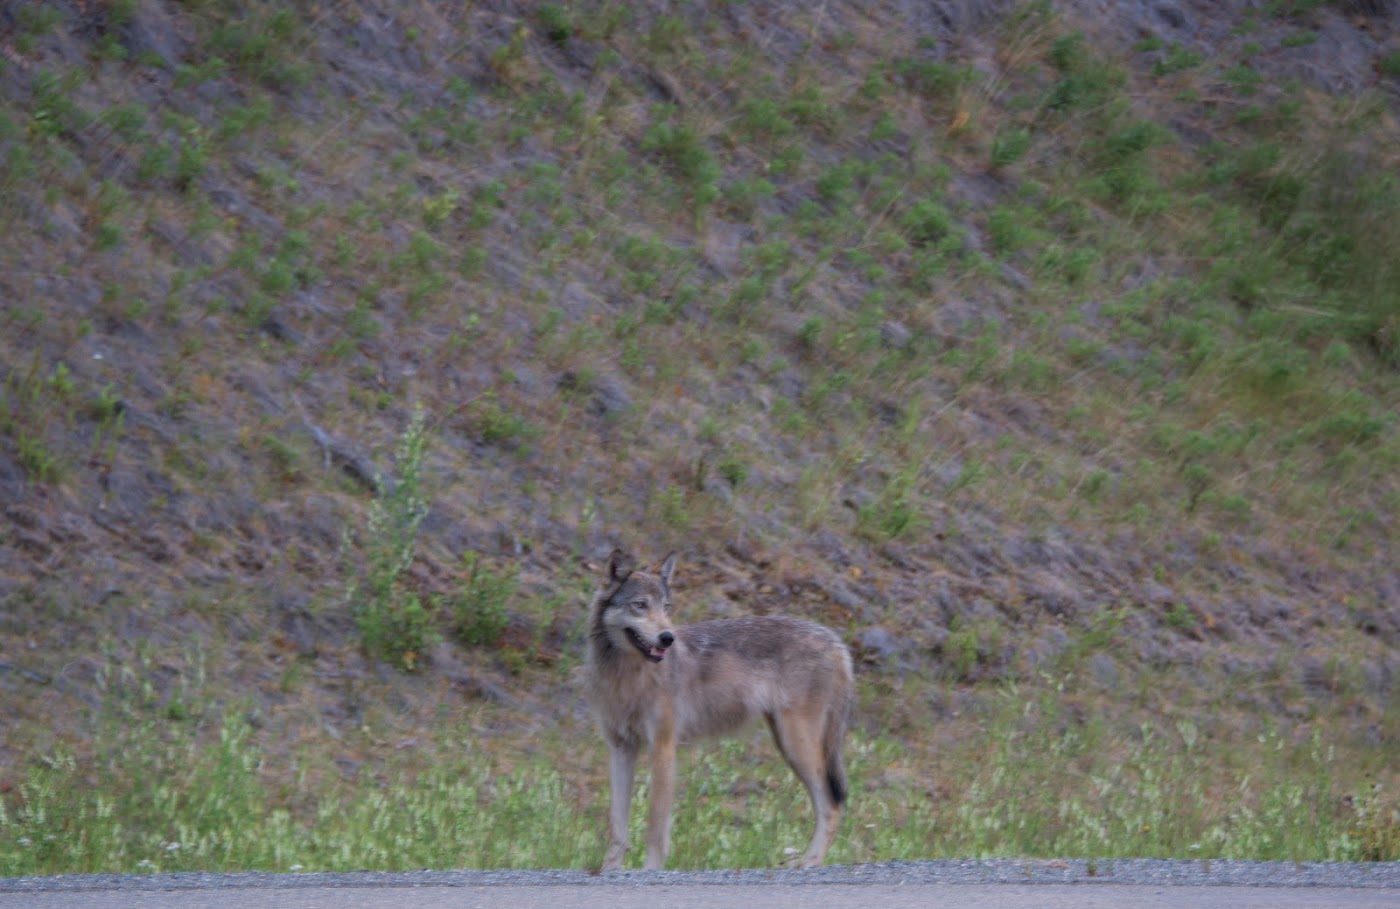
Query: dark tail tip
[{"x": 836, "y": 782}]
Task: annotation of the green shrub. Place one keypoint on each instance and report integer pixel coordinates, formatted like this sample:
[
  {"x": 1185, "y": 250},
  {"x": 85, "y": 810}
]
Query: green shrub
[
  {"x": 478, "y": 608},
  {"x": 1086, "y": 83},
  {"x": 927, "y": 222},
  {"x": 683, "y": 148},
  {"x": 495, "y": 425},
  {"x": 556, "y": 23},
  {"x": 733, "y": 469},
  {"x": 1011, "y": 228},
  {"x": 56, "y": 112},
  {"x": 1176, "y": 59},
  {"x": 1010, "y": 146},
  {"x": 895, "y": 512},
  {"x": 1123, "y": 167},
  {"x": 837, "y": 186},
  {"x": 394, "y": 624},
  {"x": 934, "y": 78},
  {"x": 763, "y": 118},
  {"x": 261, "y": 44}
]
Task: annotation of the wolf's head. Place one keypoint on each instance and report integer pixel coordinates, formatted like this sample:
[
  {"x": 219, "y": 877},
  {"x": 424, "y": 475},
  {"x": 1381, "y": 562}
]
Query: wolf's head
[{"x": 633, "y": 614}]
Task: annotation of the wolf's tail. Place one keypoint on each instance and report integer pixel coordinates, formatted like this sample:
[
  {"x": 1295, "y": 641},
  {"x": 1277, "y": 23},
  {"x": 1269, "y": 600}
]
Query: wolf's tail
[{"x": 834, "y": 735}]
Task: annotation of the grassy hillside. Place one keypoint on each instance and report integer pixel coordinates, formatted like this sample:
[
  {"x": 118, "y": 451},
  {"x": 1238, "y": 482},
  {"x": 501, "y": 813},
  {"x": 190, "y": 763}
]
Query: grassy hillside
[{"x": 1051, "y": 356}]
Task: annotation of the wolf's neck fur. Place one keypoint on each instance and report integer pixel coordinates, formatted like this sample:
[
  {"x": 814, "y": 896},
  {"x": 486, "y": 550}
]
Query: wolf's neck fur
[{"x": 603, "y": 651}]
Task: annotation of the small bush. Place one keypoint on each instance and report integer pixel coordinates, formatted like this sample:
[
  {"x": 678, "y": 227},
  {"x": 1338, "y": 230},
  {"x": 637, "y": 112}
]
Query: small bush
[
  {"x": 394, "y": 624},
  {"x": 683, "y": 148},
  {"x": 934, "y": 78},
  {"x": 262, "y": 46},
  {"x": 960, "y": 653},
  {"x": 1011, "y": 228},
  {"x": 478, "y": 608},
  {"x": 927, "y": 222},
  {"x": 496, "y": 425},
  {"x": 733, "y": 469},
  {"x": 1086, "y": 83},
  {"x": 763, "y": 118},
  {"x": 1125, "y": 172},
  {"x": 895, "y": 512},
  {"x": 1176, "y": 59},
  {"x": 1010, "y": 146},
  {"x": 556, "y": 23},
  {"x": 1347, "y": 427}
]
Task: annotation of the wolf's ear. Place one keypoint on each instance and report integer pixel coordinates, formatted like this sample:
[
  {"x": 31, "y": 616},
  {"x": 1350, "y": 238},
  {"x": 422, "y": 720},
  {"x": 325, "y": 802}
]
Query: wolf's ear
[
  {"x": 668, "y": 569},
  {"x": 619, "y": 567}
]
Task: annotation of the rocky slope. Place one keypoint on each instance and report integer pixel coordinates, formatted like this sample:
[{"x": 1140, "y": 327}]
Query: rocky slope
[{"x": 917, "y": 318}]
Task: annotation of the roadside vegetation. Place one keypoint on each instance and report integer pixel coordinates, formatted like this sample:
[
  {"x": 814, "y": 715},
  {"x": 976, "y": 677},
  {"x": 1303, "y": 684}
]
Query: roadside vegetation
[
  {"x": 1056, "y": 362},
  {"x": 162, "y": 796}
]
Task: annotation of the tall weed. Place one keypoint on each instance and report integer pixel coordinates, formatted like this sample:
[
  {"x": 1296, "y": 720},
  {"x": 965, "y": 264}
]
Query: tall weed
[{"x": 393, "y": 621}]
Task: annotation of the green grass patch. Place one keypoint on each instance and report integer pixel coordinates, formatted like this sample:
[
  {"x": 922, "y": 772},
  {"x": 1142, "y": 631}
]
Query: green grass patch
[{"x": 169, "y": 794}]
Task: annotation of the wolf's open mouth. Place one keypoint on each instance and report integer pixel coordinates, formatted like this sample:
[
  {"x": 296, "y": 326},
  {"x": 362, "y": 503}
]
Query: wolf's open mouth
[{"x": 652, "y": 653}]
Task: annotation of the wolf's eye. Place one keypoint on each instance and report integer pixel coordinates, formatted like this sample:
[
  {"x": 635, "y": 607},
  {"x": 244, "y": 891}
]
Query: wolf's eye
[{"x": 640, "y": 605}]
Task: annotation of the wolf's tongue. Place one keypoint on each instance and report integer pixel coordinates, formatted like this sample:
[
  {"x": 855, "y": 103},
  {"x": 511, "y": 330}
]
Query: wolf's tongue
[{"x": 657, "y": 653}]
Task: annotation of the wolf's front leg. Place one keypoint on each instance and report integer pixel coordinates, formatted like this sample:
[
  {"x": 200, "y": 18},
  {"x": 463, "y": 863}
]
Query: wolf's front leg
[
  {"x": 663, "y": 793},
  {"x": 622, "y": 767}
]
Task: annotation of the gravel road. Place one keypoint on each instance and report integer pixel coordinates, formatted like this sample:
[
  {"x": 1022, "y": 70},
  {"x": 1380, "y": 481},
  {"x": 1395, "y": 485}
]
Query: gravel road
[{"x": 984, "y": 884}]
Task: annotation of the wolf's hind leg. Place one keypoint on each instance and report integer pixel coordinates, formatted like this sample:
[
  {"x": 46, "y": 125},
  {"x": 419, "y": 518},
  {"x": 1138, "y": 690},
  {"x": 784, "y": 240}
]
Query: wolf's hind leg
[{"x": 799, "y": 739}]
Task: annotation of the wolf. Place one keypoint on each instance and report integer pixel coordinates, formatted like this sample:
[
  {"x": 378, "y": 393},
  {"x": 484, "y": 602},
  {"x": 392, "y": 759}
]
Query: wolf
[{"x": 653, "y": 683}]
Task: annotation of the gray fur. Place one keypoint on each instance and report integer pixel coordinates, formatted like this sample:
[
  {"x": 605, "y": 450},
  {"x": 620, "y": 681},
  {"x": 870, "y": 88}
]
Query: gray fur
[{"x": 653, "y": 683}]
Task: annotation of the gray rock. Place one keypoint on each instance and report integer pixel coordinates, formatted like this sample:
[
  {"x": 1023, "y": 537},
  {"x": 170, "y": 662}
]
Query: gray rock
[
  {"x": 895, "y": 334},
  {"x": 1104, "y": 670},
  {"x": 877, "y": 645}
]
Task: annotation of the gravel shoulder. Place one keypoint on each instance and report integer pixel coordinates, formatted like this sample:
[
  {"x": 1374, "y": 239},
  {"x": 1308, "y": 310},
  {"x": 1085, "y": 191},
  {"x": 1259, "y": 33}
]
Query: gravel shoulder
[{"x": 1137, "y": 872}]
